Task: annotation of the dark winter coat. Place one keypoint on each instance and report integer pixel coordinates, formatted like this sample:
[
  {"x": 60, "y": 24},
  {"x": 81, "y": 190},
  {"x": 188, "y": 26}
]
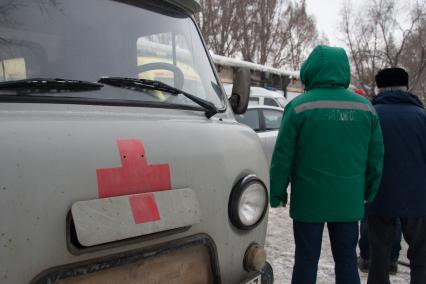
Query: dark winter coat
[{"x": 402, "y": 192}]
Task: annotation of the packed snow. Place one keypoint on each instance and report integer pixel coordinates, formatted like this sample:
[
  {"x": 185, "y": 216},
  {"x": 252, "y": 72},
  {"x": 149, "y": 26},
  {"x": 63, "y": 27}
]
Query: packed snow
[{"x": 280, "y": 250}]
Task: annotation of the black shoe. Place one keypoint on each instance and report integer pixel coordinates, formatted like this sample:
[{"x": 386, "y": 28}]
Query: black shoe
[
  {"x": 363, "y": 264},
  {"x": 393, "y": 269}
]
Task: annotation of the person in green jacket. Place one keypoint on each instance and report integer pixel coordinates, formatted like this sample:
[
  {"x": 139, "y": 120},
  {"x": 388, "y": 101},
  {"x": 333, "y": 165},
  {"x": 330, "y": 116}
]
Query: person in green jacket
[{"x": 330, "y": 147}]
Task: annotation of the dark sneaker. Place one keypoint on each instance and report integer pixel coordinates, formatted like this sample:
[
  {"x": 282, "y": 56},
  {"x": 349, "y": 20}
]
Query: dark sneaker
[
  {"x": 363, "y": 264},
  {"x": 393, "y": 269}
]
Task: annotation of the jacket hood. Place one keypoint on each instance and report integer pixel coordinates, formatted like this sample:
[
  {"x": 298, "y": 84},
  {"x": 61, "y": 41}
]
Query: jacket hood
[
  {"x": 326, "y": 67},
  {"x": 397, "y": 97}
]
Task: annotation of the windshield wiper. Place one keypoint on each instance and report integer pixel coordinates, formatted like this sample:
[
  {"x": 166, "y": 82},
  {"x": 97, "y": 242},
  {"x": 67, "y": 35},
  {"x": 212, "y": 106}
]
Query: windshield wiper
[
  {"x": 46, "y": 84},
  {"x": 158, "y": 86}
]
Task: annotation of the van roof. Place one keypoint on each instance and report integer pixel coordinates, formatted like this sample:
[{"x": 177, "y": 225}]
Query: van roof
[
  {"x": 265, "y": 107},
  {"x": 192, "y": 6},
  {"x": 262, "y": 92},
  {"x": 255, "y": 92}
]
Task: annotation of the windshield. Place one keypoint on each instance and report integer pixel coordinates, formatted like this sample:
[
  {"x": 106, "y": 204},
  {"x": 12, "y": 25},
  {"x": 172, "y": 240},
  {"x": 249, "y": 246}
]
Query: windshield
[{"x": 88, "y": 40}]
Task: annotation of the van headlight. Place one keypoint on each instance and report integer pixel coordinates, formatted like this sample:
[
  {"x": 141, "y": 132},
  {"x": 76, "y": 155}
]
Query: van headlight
[{"x": 248, "y": 203}]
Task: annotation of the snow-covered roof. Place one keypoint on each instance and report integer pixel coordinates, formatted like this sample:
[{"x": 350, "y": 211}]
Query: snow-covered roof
[{"x": 232, "y": 62}]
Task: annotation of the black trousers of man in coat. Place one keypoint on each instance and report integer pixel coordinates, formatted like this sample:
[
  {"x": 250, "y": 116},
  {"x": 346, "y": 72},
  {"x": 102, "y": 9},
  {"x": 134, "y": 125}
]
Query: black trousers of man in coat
[{"x": 382, "y": 234}]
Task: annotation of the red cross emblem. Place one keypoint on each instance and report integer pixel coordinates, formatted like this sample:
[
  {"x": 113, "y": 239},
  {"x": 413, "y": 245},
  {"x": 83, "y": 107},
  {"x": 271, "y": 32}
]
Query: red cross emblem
[{"x": 133, "y": 177}]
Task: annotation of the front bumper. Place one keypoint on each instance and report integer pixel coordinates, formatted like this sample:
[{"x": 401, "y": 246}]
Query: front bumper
[
  {"x": 124, "y": 264},
  {"x": 142, "y": 262},
  {"x": 265, "y": 276}
]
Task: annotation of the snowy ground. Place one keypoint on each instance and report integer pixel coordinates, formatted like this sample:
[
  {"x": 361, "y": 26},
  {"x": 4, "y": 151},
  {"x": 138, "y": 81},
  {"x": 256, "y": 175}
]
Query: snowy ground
[{"x": 280, "y": 249}]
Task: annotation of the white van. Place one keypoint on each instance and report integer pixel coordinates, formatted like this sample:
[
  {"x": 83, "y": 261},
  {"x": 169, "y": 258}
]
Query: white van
[
  {"x": 262, "y": 96},
  {"x": 120, "y": 157}
]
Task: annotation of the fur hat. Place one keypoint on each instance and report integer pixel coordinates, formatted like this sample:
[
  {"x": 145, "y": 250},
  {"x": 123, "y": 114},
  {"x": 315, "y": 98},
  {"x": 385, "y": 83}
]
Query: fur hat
[{"x": 392, "y": 77}]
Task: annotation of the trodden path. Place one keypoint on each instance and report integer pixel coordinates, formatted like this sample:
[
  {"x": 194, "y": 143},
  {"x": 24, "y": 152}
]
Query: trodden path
[{"x": 280, "y": 249}]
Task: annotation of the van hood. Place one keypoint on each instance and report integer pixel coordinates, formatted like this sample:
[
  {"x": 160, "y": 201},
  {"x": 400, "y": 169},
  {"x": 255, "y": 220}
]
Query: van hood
[
  {"x": 55, "y": 157},
  {"x": 326, "y": 67}
]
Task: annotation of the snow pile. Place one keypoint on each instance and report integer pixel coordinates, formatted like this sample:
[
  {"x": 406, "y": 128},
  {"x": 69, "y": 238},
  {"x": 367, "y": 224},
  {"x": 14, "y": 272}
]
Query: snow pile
[{"x": 280, "y": 249}]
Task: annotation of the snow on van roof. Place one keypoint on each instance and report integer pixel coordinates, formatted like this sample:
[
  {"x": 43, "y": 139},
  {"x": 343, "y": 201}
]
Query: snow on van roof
[
  {"x": 256, "y": 91},
  {"x": 232, "y": 62}
]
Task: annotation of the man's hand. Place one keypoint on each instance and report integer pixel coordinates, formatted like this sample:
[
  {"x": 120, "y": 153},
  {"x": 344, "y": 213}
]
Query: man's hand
[{"x": 277, "y": 203}]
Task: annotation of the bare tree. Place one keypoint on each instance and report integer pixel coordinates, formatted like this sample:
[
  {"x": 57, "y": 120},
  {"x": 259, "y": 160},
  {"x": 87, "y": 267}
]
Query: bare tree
[
  {"x": 218, "y": 21},
  {"x": 298, "y": 35},
  {"x": 413, "y": 58},
  {"x": 285, "y": 33},
  {"x": 376, "y": 39},
  {"x": 273, "y": 32},
  {"x": 247, "y": 29},
  {"x": 269, "y": 14},
  {"x": 237, "y": 26}
]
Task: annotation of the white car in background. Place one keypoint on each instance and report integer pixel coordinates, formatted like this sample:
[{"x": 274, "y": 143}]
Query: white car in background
[
  {"x": 266, "y": 121},
  {"x": 262, "y": 96},
  {"x": 290, "y": 94}
]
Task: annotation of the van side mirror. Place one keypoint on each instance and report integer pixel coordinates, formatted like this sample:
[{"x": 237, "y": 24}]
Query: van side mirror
[{"x": 240, "y": 91}]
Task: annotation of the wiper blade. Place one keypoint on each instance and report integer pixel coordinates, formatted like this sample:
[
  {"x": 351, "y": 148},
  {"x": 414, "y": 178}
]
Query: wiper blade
[
  {"x": 46, "y": 84},
  {"x": 158, "y": 86}
]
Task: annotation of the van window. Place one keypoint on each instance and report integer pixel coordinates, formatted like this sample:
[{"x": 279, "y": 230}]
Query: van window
[
  {"x": 253, "y": 101},
  {"x": 282, "y": 101},
  {"x": 62, "y": 39},
  {"x": 250, "y": 118},
  {"x": 272, "y": 119},
  {"x": 270, "y": 102}
]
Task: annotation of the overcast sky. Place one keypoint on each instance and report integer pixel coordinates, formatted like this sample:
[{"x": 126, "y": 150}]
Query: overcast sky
[{"x": 327, "y": 14}]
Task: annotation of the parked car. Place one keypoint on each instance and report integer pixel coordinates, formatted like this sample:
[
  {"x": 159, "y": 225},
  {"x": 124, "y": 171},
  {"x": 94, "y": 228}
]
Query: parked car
[
  {"x": 290, "y": 94},
  {"x": 266, "y": 121},
  {"x": 262, "y": 96}
]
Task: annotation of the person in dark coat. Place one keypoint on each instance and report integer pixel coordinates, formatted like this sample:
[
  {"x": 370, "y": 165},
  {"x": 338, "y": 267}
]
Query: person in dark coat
[
  {"x": 402, "y": 192},
  {"x": 364, "y": 246}
]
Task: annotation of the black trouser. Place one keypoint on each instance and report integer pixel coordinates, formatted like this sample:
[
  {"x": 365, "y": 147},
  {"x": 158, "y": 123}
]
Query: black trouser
[
  {"x": 308, "y": 239},
  {"x": 364, "y": 244},
  {"x": 382, "y": 234}
]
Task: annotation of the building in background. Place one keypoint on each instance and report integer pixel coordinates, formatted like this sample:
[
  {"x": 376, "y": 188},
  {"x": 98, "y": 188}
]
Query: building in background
[{"x": 261, "y": 75}]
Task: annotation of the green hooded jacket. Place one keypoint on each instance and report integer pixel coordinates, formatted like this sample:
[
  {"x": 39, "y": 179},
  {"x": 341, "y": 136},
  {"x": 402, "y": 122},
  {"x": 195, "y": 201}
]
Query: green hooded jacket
[{"x": 330, "y": 145}]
